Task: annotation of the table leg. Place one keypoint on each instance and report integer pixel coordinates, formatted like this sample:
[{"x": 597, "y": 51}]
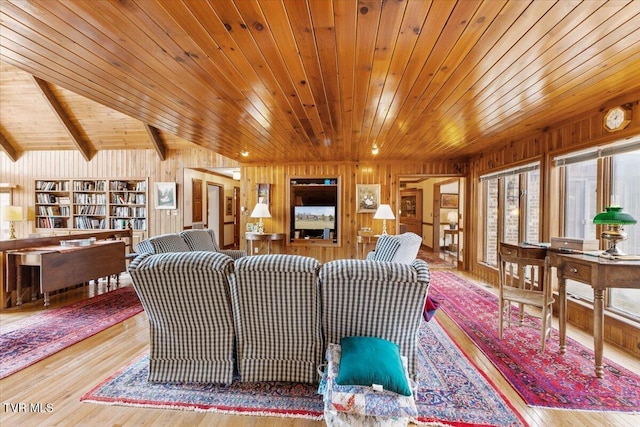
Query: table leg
[
  {"x": 18, "y": 284},
  {"x": 34, "y": 285},
  {"x": 562, "y": 315},
  {"x": 46, "y": 299},
  {"x": 598, "y": 328}
]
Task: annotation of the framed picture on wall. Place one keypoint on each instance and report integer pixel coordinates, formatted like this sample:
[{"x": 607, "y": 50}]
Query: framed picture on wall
[
  {"x": 449, "y": 201},
  {"x": 228, "y": 206},
  {"x": 368, "y": 197},
  {"x": 263, "y": 191},
  {"x": 165, "y": 195}
]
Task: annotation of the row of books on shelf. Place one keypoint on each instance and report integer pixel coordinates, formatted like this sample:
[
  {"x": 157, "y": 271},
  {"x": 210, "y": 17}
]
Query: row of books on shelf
[
  {"x": 52, "y": 185},
  {"x": 89, "y": 223},
  {"x": 54, "y": 210},
  {"x": 126, "y": 211},
  {"x": 52, "y": 199},
  {"x": 51, "y": 222},
  {"x": 129, "y": 199},
  {"x": 91, "y": 210},
  {"x": 99, "y": 199},
  {"x": 123, "y": 224},
  {"x": 89, "y": 185},
  {"x": 128, "y": 186}
]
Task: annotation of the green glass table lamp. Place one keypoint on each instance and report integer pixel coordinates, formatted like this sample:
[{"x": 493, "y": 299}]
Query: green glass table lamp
[{"x": 613, "y": 218}]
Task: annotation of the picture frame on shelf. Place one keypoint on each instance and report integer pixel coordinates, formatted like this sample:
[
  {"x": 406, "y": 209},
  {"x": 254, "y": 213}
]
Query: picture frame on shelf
[
  {"x": 165, "y": 195},
  {"x": 263, "y": 191},
  {"x": 449, "y": 201},
  {"x": 368, "y": 197}
]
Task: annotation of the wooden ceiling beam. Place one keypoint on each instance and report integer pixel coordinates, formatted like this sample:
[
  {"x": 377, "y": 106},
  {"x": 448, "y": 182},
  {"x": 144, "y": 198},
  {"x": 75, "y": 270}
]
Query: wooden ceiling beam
[
  {"x": 154, "y": 135},
  {"x": 6, "y": 146},
  {"x": 71, "y": 129}
]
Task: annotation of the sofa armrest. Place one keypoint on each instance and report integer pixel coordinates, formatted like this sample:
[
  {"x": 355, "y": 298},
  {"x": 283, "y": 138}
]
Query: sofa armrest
[{"x": 234, "y": 253}]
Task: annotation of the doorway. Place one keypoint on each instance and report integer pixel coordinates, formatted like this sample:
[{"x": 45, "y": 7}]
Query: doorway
[
  {"x": 436, "y": 220},
  {"x": 215, "y": 203}
]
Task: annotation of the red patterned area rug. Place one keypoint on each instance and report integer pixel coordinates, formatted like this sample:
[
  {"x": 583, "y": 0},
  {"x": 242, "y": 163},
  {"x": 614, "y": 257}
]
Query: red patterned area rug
[
  {"x": 32, "y": 339},
  {"x": 451, "y": 391},
  {"x": 550, "y": 379},
  {"x": 433, "y": 259}
]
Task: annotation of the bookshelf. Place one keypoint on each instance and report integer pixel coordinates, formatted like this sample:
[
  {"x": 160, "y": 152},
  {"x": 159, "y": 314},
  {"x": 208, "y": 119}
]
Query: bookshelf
[
  {"x": 53, "y": 204},
  {"x": 89, "y": 204},
  {"x": 128, "y": 204}
]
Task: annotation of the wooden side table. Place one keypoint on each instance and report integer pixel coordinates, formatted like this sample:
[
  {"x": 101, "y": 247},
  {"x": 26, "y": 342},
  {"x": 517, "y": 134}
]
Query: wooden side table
[
  {"x": 600, "y": 274},
  {"x": 262, "y": 237}
]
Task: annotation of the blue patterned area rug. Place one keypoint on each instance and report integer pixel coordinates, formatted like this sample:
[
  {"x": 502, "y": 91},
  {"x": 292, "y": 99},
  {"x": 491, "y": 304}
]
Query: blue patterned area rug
[{"x": 451, "y": 391}]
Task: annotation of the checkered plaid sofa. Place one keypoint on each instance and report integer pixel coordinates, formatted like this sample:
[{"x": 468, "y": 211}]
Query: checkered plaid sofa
[
  {"x": 186, "y": 298},
  {"x": 185, "y": 241},
  {"x": 276, "y": 308},
  {"x": 374, "y": 298}
]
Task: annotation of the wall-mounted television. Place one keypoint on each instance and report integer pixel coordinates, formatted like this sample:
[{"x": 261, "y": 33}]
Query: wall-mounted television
[{"x": 314, "y": 217}]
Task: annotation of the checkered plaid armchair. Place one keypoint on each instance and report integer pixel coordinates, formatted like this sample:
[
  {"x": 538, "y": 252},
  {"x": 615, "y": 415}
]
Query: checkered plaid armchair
[
  {"x": 376, "y": 299},
  {"x": 188, "y": 240},
  {"x": 185, "y": 296},
  {"x": 276, "y": 308}
]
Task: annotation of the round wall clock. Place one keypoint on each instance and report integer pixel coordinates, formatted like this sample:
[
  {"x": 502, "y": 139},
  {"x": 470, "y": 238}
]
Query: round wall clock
[{"x": 617, "y": 118}]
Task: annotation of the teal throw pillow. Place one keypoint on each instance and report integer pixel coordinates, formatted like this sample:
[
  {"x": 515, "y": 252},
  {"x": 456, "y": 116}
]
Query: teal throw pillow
[{"x": 369, "y": 361}]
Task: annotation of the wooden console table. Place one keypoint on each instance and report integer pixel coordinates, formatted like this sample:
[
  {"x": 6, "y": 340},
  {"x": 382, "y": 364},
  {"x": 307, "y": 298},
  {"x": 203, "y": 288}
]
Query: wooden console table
[
  {"x": 262, "y": 237},
  {"x": 61, "y": 267},
  {"x": 600, "y": 274}
]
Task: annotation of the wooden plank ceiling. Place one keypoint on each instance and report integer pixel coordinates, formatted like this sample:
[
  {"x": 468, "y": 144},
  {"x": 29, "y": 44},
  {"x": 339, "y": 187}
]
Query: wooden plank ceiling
[{"x": 306, "y": 80}]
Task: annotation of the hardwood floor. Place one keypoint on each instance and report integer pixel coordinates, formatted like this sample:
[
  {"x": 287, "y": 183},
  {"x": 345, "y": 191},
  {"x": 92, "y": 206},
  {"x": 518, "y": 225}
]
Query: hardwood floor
[{"x": 60, "y": 380}]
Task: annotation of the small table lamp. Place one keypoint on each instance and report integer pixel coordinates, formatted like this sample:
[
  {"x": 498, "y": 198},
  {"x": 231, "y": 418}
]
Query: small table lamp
[
  {"x": 12, "y": 214},
  {"x": 614, "y": 218},
  {"x": 260, "y": 211},
  {"x": 452, "y": 218},
  {"x": 384, "y": 213}
]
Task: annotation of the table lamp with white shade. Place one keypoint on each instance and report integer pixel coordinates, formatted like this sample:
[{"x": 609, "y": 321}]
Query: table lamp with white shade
[
  {"x": 12, "y": 214},
  {"x": 384, "y": 213},
  {"x": 261, "y": 210},
  {"x": 452, "y": 219}
]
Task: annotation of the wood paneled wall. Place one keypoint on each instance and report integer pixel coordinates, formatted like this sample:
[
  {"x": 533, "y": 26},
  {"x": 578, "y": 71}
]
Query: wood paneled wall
[
  {"x": 351, "y": 174},
  {"x": 112, "y": 164},
  {"x": 583, "y": 131}
]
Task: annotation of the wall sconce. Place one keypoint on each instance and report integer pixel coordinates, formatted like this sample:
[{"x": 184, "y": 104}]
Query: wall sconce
[
  {"x": 236, "y": 175},
  {"x": 613, "y": 219},
  {"x": 12, "y": 214},
  {"x": 384, "y": 213},
  {"x": 261, "y": 210}
]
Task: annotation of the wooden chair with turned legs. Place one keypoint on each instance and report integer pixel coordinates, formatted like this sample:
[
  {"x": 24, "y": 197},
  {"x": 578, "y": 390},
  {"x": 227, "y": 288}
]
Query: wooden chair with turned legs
[{"x": 525, "y": 280}]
